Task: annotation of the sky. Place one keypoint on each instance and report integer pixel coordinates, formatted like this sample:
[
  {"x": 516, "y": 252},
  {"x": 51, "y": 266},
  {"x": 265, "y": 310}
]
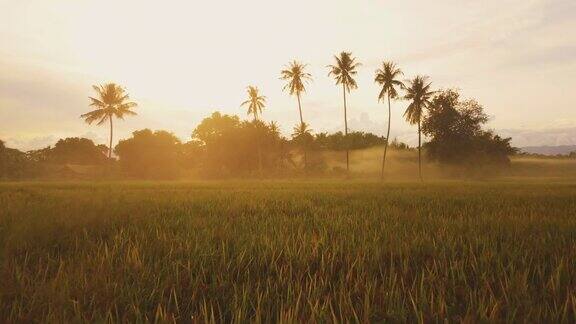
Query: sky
[{"x": 182, "y": 60}]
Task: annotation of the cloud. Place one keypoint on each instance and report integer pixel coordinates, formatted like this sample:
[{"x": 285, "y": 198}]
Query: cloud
[{"x": 536, "y": 137}]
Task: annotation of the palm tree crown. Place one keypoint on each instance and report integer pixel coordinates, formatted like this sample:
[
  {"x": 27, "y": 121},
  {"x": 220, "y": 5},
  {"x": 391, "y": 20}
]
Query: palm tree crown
[
  {"x": 274, "y": 128},
  {"x": 420, "y": 94},
  {"x": 111, "y": 101},
  {"x": 344, "y": 70},
  {"x": 387, "y": 77},
  {"x": 301, "y": 130},
  {"x": 255, "y": 102},
  {"x": 296, "y": 77},
  {"x": 302, "y": 135}
]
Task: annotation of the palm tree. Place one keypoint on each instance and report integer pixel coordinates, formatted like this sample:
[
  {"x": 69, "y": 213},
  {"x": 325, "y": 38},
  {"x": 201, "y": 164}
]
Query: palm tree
[
  {"x": 296, "y": 77},
  {"x": 344, "y": 71},
  {"x": 255, "y": 102},
  {"x": 420, "y": 94},
  {"x": 387, "y": 77},
  {"x": 303, "y": 135},
  {"x": 111, "y": 101},
  {"x": 274, "y": 128}
]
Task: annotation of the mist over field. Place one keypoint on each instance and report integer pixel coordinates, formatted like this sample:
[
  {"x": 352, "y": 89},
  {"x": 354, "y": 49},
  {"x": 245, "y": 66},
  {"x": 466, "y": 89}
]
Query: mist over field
[{"x": 300, "y": 161}]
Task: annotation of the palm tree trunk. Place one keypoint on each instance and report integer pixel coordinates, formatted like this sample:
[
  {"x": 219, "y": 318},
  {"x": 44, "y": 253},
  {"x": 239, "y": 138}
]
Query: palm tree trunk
[
  {"x": 259, "y": 158},
  {"x": 387, "y": 138},
  {"x": 346, "y": 131},
  {"x": 301, "y": 123},
  {"x": 419, "y": 152},
  {"x": 111, "y": 134},
  {"x": 300, "y": 108},
  {"x": 258, "y": 143}
]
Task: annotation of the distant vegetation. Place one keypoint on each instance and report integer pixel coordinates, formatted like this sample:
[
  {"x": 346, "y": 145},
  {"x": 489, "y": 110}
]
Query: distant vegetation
[
  {"x": 454, "y": 127},
  {"x": 226, "y": 146}
]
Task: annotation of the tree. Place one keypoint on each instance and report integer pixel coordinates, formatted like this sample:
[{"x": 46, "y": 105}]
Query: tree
[
  {"x": 15, "y": 164},
  {"x": 302, "y": 135},
  {"x": 152, "y": 155},
  {"x": 419, "y": 93},
  {"x": 255, "y": 102},
  {"x": 457, "y": 138},
  {"x": 112, "y": 101},
  {"x": 343, "y": 72},
  {"x": 76, "y": 150},
  {"x": 274, "y": 128},
  {"x": 387, "y": 78},
  {"x": 354, "y": 141},
  {"x": 215, "y": 127},
  {"x": 228, "y": 145},
  {"x": 296, "y": 77}
]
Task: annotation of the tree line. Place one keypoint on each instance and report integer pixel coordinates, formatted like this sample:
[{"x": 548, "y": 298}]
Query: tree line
[{"x": 224, "y": 144}]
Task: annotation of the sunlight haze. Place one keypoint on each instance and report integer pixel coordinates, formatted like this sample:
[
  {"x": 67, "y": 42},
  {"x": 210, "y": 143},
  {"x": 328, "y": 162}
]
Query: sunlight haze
[{"x": 182, "y": 60}]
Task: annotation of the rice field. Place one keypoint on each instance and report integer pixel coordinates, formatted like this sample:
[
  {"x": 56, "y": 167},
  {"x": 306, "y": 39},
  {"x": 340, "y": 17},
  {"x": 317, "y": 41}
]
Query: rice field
[{"x": 288, "y": 251}]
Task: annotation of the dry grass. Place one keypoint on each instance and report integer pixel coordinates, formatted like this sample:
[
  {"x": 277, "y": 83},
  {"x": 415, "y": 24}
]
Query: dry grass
[{"x": 288, "y": 251}]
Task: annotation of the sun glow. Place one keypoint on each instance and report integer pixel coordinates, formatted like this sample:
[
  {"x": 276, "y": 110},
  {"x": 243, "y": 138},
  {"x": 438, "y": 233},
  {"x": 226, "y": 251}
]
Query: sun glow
[{"x": 183, "y": 60}]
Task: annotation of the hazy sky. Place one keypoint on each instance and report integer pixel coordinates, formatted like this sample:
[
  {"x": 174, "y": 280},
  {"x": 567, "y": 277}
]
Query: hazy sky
[{"x": 181, "y": 60}]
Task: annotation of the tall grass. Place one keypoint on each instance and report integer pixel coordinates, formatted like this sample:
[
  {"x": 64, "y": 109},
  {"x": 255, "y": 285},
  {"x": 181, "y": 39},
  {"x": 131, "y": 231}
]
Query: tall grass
[{"x": 290, "y": 252}]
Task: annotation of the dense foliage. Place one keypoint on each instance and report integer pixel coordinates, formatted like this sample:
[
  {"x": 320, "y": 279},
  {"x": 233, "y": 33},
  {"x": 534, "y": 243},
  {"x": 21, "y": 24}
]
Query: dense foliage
[
  {"x": 76, "y": 150},
  {"x": 234, "y": 147},
  {"x": 454, "y": 127},
  {"x": 354, "y": 141},
  {"x": 149, "y": 154},
  {"x": 13, "y": 163},
  {"x": 223, "y": 146}
]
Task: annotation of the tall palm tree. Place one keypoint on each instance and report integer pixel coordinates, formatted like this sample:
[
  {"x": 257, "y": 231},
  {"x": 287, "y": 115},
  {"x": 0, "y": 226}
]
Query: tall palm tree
[
  {"x": 296, "y": 77},
  {"x": 343, "y": 72},
  {"x": 111, "y": 101},
  {"x": 303, "y": 135},
  {"x": 255, "y": 102},
  {"x": 420, "y": 94},
  {"x": 387, "y": 77}
]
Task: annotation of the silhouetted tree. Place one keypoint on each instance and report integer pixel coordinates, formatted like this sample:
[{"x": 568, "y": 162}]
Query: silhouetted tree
[
  {"x": 387, "y": 77},
  {"x": 419, "y": 93},
  {"x": 354, "y": 141},
  {"x": 343, "y": 72},
  {"x": 76, "y": 150},
  {"x": 296, "y": 77},
  {"x": 191, "y": 154},
  {"x": 274, "y": 128},
  {"x": 148, "y": 154},
  {"x": 229, "y": 145},
  {"x": 255, "y": 102},
  {"x": 14, "y": 164},
  {"x": 456, "y": 135},
  {"x": 111, "y": 101},
  {"x": 302, "y": 136}
]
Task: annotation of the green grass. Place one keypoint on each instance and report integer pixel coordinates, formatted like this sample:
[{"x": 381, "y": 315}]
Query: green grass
[{"x": 288, "y": 251}]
